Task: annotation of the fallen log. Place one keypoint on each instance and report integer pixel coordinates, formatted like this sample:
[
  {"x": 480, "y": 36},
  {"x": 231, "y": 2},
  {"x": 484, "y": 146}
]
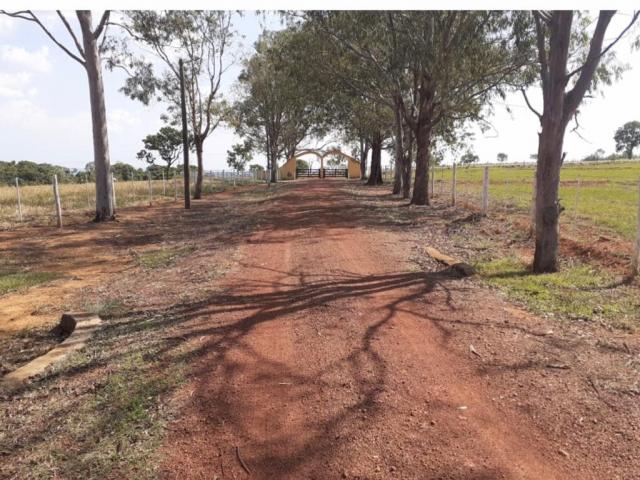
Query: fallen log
[{"x": 462, "y": 268}]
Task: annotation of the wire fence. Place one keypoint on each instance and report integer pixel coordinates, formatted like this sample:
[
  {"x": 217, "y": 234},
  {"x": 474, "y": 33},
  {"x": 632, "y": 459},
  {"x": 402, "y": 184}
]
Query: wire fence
[
  {"x": 606, "y": 195},
  {"x": 36, "y": 204}
]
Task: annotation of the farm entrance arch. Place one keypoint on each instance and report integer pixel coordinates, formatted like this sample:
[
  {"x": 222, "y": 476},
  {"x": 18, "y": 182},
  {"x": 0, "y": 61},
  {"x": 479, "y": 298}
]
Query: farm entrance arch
[{"x": 289, "y": 170}]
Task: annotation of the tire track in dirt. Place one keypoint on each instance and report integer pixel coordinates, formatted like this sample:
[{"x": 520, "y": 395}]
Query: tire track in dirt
[{"x": 325, "y": 361}]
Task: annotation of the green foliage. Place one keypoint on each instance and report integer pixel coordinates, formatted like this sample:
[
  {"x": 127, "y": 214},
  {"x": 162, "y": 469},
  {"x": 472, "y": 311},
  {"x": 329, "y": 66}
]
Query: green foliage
[
  {"x": 627, "y": 138},
  {"x": 124, "y": 171},
  {"x": 12, "y": 281},
  {"x": 278, "y": 106},
  {"x": 302, "y": 164},
  {"x": 201, "y": 38},
  {"x": 577, "y": 292},
  {"x": 167, "y": 144},
  {"x": 163, "y": 257},
  {"x": 502, "y": 157},
  {"x": 31, "y": 173},
  {"x": 239, "y": 155},
  {"x": 256, "y": 167},
  {"x": 595, "y": 156},
  {"x": 468, "y": 158}
]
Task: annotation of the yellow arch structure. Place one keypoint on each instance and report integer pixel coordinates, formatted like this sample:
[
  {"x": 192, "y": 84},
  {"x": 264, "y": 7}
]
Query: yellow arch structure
[{"x": 288, "y": 170}]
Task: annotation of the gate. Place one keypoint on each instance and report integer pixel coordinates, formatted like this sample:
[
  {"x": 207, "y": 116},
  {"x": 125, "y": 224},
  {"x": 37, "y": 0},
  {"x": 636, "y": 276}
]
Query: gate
[
  {"x": 307, "y": 172},
  {"x": 336, "y": 172}
]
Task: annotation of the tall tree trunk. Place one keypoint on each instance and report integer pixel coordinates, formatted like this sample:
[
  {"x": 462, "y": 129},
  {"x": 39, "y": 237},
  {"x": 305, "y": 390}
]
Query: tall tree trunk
[
  {"x": 274, "y": 169},
  {"x": 559, "y": 107},
  {"x": 364, "y": 153},
  {"x": 547, "y": 204},
  {"x": 197, "y": 194},
  {"x": 102, "y": 164},
  {"x": 399, "y": 150},
  {"x": 398, "y": 168},
  {"x": 421, "y": 184},
  {"x": 375, "y": 176},
  {"x": 408, "y": 158}
]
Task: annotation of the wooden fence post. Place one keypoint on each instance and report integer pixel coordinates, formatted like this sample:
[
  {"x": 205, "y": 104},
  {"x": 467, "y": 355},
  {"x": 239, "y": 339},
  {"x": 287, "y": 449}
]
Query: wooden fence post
[
  {"x": 175, "y": 187},
  {"x": 636, "y": 253},
  {"x": 56, "y": 197},
  {"x": 485, "y": 191},
  {"x": 113, "y": 192},
  {"x": 150, "y": 191},
  {"x": 453, "y": 184},
  {"x": 18, "y": 199},
  {"x": 164, "y": 186},
  {"x": 87, "y": 190}
]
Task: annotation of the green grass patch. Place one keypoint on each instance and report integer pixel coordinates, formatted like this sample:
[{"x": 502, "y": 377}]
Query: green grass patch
[
  {"x": 112, "y": 425},
  {"x": 12, "y": 281},
  {"x": 105, "y": 308},
  {"x": 577, "y": 291},
  {"x": 605, "y": 195},
  {"x": 163, "y": 257}
]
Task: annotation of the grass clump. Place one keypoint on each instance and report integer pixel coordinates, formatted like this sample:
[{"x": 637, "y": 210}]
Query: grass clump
[
  {"x": 11, "y": 281},
  {"x": 577, "y": 291},
  {"x": 163, "y": 257},
  {"x": 106, "y": 308}
]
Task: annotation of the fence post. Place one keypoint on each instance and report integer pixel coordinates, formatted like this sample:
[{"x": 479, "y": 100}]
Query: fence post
[
  {"x": 150, "y": 191},
  {"x": 175, "y": 187},
  {"x": 636, "y": 253},
  {"x": 88, "y": 192},
  {"x": 56, "y": 197},
  {"x": 164, "y": 186},
  {"x": 453, "y": 185},
  {"x": 113, "y": 192},
  {"x": 485, "y": 191},
  {"x": 18, "y": 199}
]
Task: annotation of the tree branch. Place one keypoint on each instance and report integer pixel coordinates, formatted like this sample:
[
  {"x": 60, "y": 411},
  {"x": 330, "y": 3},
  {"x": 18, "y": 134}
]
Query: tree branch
[
  {"x": 542, "y": 50},
  {"x": 103, "y": 22},
  {"x": 611, "y": 45},
  {"x": 70, "y": 30},
  {"x": 526, "y": 99},
  {"x": 30, "y": 16},
  {"x": 575, "y": 95}
]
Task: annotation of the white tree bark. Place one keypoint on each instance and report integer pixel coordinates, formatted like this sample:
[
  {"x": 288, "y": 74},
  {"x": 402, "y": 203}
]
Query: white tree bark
[{"x": 104, "y": 205}]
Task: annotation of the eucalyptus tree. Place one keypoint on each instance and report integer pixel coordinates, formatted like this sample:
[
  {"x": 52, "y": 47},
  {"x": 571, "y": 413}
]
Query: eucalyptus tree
[
  {"x": 87, "y": 52},
  {"x": 202, "y": 38},
  {"x": 434, "y": 69},
  {"x": 167, "y": 144},
  {"x": 572, "y": 59},
  {"x": 276, "y": 109},
  {"x": 627, "y": 137},
  {"x": 456, "y": 62},
  {"x": 361, "y": 64}
]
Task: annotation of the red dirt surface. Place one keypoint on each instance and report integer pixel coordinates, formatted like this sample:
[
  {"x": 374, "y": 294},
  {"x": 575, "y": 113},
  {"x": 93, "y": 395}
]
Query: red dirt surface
[{"x": 331, "y": 355}]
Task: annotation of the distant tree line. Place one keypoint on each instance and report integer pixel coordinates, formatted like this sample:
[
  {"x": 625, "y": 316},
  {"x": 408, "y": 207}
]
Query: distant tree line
[{"x": 32, "y": 173}]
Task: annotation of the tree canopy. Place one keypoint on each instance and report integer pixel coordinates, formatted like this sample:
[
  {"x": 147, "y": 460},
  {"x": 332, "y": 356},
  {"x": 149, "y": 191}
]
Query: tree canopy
[{"x": 627, "y": 138}]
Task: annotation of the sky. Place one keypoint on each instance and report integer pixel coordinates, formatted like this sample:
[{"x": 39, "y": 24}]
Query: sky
[{"x": 45, "y": 116}]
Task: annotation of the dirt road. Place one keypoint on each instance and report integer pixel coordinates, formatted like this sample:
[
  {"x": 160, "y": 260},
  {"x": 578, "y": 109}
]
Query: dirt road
[{"x": 330, "y": 358}]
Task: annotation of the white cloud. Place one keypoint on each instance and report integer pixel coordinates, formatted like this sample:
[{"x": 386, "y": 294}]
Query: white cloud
[
  {"x": 6, "y": 25},
  {"x": 36, "y": 61},
  {"x": 13, "y": 85},
  {"x": 120, "y": 120}
]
